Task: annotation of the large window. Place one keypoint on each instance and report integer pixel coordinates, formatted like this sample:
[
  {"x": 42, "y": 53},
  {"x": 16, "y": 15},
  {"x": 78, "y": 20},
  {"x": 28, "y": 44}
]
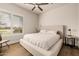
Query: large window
[
  {"x": 17, "y": 24},
  {"x": 10, "y": 23}
]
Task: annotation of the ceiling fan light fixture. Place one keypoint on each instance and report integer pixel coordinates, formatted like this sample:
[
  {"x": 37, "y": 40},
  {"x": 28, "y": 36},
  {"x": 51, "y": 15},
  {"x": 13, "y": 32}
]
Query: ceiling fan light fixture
[{"x": 37, "y": 5}]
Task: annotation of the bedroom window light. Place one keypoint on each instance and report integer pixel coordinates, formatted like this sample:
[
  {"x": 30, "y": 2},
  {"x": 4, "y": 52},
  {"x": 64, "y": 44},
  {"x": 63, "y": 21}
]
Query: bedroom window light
[
  {"x": 17, "y": 24},
  {"x": 5, "y": 23},
  {"x": 10, "y": 23}
]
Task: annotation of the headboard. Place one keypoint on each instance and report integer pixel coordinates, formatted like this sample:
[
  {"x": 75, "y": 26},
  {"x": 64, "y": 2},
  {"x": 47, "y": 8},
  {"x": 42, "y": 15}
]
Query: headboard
[{"x": 60, "y": 28}]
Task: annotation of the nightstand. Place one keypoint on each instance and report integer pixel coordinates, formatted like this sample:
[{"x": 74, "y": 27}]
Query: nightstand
[{"x": 72, "y": 40}]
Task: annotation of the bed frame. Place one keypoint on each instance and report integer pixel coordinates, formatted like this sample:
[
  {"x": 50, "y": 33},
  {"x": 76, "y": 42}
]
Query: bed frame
[
  {"x": 36, "y": 51},
  {"x": 61, "y": 28}
]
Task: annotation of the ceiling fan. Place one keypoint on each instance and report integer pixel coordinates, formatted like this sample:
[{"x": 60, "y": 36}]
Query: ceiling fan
[{"x": 38, "y": 5}]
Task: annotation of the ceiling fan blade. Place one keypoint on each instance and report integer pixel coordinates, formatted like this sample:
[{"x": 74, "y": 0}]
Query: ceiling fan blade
[
  {"x": 40, "y": 8},
  {"x": 33, "y": 8},
  {"x": 42, "y": 3},
  {"x": 37, "y": 3},
  {"x": 31, "y": 3}
]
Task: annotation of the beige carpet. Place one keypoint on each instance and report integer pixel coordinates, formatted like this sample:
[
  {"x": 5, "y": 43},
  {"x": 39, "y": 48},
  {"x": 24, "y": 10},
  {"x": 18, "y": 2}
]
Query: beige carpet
[{"x": 18, "y": 50}]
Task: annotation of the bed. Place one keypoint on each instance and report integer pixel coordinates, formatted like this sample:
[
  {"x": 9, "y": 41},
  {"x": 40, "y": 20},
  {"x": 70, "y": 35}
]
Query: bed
[{"x": 46, "y": 46}]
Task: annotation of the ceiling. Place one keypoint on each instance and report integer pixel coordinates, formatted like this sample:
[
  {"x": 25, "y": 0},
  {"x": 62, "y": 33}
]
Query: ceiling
[{"x": 44, "y": 7}]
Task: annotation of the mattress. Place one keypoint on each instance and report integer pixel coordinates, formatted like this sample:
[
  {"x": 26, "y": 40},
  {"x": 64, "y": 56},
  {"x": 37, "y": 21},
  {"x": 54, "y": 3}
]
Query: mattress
[
  {"x": 42, "y": 40},
  {"x": 37, "y": 51}
]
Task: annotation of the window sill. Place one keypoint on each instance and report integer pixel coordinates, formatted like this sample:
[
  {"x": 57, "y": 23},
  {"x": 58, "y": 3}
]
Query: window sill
[{"x": 12, "y": 34}]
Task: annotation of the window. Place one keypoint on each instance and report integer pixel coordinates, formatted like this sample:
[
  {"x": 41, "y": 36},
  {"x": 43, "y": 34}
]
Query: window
[
  {"x": 17, "y": 24},
  {"x": 5, "y": 23},
  {"x": 10, "y": 23}
]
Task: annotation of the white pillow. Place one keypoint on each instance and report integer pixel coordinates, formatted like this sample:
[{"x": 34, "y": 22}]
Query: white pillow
[
  {"x": 53, "y": 32},
  {"x": 43, "y": 31}
]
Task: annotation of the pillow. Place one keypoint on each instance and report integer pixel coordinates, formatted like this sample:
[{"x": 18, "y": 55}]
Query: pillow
[
  {"x": 60, "y": 33},
  {"x": 52, "y": 32},
  {"x": 42, "y": 31}
]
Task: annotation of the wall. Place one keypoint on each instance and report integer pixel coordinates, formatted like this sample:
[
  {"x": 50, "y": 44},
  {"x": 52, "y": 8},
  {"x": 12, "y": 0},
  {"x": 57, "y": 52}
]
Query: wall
[
  {"x": 30, "y": 21},
  {"x": 78, "y": 19},
  {"x": 64, "y": 15}
]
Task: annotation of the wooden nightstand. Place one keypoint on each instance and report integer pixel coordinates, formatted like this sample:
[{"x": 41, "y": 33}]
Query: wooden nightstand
[{"x": 72, "y": 38}]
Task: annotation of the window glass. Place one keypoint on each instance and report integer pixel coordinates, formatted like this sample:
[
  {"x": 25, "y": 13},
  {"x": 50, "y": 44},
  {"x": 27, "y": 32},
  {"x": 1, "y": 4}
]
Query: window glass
[
  {"x": 17, "y": 24},
  {"x": 10, "y": 23},
  {"x": 5, "y": 23}
]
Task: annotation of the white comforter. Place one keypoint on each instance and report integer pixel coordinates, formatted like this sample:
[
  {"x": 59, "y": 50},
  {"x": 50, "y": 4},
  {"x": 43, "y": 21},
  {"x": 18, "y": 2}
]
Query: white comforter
[{"x": 42, "y": 40}]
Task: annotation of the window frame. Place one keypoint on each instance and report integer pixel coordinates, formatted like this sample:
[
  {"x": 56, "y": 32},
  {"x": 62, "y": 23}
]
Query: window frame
[
  {"x": 11, "y": 18},
  {"x": 20, "y": 19}
]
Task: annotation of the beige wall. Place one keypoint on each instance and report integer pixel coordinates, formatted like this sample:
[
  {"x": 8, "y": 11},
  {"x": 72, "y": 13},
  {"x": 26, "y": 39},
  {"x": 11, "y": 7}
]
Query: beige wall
[
  {"x": 65, "y": 15},
  {"x": 78, "y": 19}
]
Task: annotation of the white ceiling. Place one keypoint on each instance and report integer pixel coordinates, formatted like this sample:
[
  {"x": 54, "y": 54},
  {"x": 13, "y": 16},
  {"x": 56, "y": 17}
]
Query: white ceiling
[{"x": 44, "y": 7}]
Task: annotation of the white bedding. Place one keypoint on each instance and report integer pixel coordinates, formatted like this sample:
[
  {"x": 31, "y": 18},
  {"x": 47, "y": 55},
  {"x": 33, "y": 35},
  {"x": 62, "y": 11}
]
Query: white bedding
[
  {"x": 37, "y": 51},
  {"x": 42, "y": 40}
]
